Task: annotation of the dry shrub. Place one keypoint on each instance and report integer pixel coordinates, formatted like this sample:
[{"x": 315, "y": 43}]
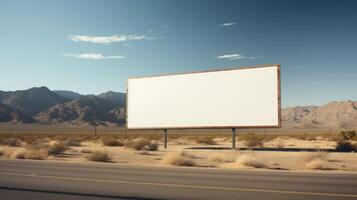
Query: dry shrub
[
  {"x": 14, "y": 142},
  {"x": 176, "y": 158},
  {"x": 137, "y": 144},
  {"x": 249, "y": 160},
  {"x": 317, "y": 164},
  {"x": 253, "y": 140},
  {"x": 18, "y": 154},
  {"x": 223, "y": 157},
  {"x": 153, "y": 146},
  {"x": 34, "y": 154},
  {"x": 280, "y": 144},
  {"x": 345, "y": 146},
  {"x": 205, "y": 140},
  {"x": 316, "y": 160},
  {"x": 99, "y": 156},
  {"x": 86, "y": 151},
  {"x": 38, "y": 144},
  {"x": 56, "y": 148},
  {"x": 40, "y": 154},
  {"x": 109, "y": 141},
  {"x": 181, "y": 141},
  {"x": 72, "y": 142}
]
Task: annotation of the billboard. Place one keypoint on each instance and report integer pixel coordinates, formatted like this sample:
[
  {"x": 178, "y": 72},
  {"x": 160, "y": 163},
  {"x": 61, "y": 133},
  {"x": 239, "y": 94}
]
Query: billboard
[{"x": 246, "y": 97}]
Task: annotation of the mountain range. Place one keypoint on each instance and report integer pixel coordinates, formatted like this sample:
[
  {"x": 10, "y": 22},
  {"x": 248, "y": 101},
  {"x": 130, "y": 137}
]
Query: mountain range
[
  {"x": 60, "y": 107},
  {"x": 43, "y": 106}
]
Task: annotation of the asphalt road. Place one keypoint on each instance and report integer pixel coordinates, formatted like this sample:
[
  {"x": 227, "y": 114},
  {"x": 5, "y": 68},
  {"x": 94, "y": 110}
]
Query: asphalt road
[{"x": 25, "y": 179}]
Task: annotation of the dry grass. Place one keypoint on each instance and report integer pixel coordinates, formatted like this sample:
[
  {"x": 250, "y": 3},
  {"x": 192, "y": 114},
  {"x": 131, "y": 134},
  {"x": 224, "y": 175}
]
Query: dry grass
[
  {"x": 253, "y": 140},
  {"x": 249, "y": 160},
  {"x": 17, "y": 154},
  {"x": 205, "y": 140},
  {"x": 317, "y": 164},
  {"x": 14, "y": 142},
  {"x": 142, "y": 144},
  {"x": 177, "y": 159},
  {"x": 40, "y": 154},
  {"x": 72, "y": 142},
  {"x": 56, "y": 148},
  {"x": 99, "y": 156},
  {"x": 280, "y": 144},
  {"x": 316, "y": 160},
  {"x": 310, "y": 156},
  {"x": 110, "y": 141},
  {"x": 34, "y": 154},
  {"x": 222, "y": 157},
  {"x": 38, "y": 144},
  {"x": 153, "y": 146}
]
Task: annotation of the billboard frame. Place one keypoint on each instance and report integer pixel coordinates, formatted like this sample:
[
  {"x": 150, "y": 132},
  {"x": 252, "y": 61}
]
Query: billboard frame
[{"x": 211, "y": 127}]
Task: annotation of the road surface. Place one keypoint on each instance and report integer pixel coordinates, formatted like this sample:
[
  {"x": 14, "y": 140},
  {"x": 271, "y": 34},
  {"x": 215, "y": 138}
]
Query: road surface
[{"x": 26, "y": 179}]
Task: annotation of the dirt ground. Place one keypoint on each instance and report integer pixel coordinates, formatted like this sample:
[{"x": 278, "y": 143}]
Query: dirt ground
[{"x": 281, "y": 153}]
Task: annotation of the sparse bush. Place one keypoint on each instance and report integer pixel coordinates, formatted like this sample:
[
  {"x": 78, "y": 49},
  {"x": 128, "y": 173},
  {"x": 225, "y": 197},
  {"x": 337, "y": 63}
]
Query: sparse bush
[
  {"x": 205, "y": 140},
  {"x": 109, "y": 141},
  {"x": 18, "y": 154},
  {"x": 280, "y": 144},
  {"x": 310, "y": 156},
  {"x": 153, "y": 146},
  {"x": 250, "y": 161},
  {"x": 176, "y": 158},
  {"x": 56, "y": 148},
  {"x": 86, "y": 151},
  {"x": 316, "y": 164},
  {"x": 348, "y": 135},
  {"x": 38, "y": 144},
  {"x": 138, "y": 144},
  {"x": 72, "y": 143},
  {"x": 99, "y": 156},
  {"x": 14, "y": 142},
  {"x": 253, "y": 140},
  {"x": 345, "y": 146},
  {"x": 39, "y": 154}
]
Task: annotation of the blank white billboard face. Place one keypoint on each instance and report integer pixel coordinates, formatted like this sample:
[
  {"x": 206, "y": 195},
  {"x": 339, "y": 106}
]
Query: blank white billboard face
[{"x": 233, "y": 98}]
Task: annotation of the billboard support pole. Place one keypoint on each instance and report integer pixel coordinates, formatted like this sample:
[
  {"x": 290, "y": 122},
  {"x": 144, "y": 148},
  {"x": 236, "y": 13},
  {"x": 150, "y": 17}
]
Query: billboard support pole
[
  {"x": 165, "y": 138},
  {"x": 233, "y": 138}
]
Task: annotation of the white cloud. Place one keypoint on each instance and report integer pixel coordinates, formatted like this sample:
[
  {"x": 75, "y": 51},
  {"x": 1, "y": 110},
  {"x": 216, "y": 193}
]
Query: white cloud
[
  {"x": 229, "y": 24},
  {"x": 92, "y": 56},
  {"x": 107, "y": 39},
  {"x": 235, "y": 56}
]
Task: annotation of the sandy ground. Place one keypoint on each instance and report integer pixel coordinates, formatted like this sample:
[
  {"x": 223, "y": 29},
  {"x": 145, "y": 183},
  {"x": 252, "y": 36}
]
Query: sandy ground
[{"x": 219, "y": 155}]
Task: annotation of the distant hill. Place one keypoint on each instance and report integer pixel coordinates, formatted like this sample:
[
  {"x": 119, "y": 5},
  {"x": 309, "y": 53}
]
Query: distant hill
[
  {"x": 88, "y": 110},
  {"x": 8, "y": 114},
  {"x": 41, "y": 105},
  {"x": 31, "y": 101},
  {"x": 68, "y": 94},
  {"x": 117, "y": 98},
  {"x": 333, "y": 115}
]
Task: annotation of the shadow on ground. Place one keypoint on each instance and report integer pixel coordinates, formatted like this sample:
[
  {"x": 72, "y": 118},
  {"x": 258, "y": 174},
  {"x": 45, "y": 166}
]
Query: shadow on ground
[
  {"x": 263, "y": 149},
  {"x": 78, "y": 195}
]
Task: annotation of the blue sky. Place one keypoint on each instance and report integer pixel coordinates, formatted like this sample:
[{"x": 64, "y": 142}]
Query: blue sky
[{"x": 94, "y": 46}]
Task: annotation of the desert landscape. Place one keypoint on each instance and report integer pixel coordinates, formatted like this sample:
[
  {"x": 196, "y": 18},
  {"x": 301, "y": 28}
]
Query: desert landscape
[
  {"x": 294, "y": 152},
  {"x": 70, "y": 127}
]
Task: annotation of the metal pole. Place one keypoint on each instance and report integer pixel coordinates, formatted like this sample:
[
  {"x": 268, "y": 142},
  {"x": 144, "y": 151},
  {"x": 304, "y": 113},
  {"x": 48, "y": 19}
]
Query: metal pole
[
  {"x": 233, "y": 138},
  {"x": 165, "y": 138}
]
